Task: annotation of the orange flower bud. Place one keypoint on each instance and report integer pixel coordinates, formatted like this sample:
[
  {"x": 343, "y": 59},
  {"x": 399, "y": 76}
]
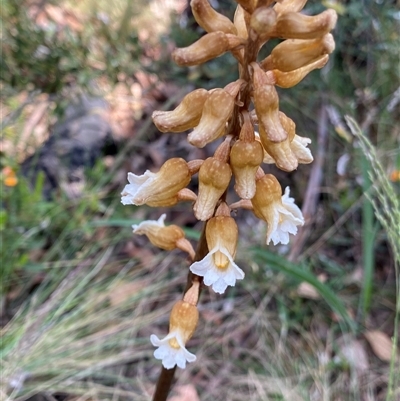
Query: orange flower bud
[
  {"x": 286, "y": 6},
  {"x": 209, "y": 19},
  {"x": 187, "y": 115},
  {"x": 293, "y": 25},
  {"x": 292, "y": 78},
  {"x": 266, "y": 103},
  {"x": 214, "y": 178},
  {"x": 10, "y": 179},
  {"x": 292, "y": 54},
  {"x": 217, "y": 110},
  {"x": 157, "y": 189},
  {"x": 206, "y": 48}
]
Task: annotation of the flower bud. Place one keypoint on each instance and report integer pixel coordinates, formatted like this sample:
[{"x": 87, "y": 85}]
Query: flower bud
[
  {"x": 266, "y": 103},
  {"x": 222, "y": 230},
  {"x": 286, "y": 6},
  {"x": 214, "y": 178},
  {"x": 184, "y": 318},
  {"x": 187, "y": 115},
  {"x": 263, "y": 21},
  {"x": 281, "y": 152},
  {"x": 157, "y": 189},
  {"x": 164, "y": 237},
  {"x": 241, "y": 20},
  {"x": 209, "y": 19},
  {"x": 292, "y": 54},
  {"x": 206, "y": 48},
  {"x": 217, "y": 110},
  {"x": 245, "y": 158},
  {"x": 293, "y": 25},
  {"x": 292, "y": 78}
]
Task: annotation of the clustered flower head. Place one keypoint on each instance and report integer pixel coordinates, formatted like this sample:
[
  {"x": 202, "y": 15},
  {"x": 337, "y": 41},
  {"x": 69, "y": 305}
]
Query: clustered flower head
[{"x": 245, "y": 117}]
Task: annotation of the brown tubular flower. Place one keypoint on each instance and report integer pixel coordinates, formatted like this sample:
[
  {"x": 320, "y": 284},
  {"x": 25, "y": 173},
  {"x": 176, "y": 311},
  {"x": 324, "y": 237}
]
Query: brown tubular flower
[
  {"x": 292, "y": 54},
  {"x": 209, "y": 19},
  {"x": 292, "y": 78},
  {"x": 266, "y": 103},
  {"x": 217, "y": 110},
  {"x": 286, "y": 6},
  {"x": 245, "y": 159},
  {"x": 209, "y": 46},
  {"x": 293, "y": 25},
  {"x": 187, "y": 115},
  {"x": 214, "y": 177}
]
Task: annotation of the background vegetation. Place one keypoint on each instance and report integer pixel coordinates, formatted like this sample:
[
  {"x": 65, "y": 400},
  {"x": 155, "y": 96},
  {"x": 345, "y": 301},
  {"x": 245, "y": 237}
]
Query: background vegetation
[{"x": 80, "y": 296}]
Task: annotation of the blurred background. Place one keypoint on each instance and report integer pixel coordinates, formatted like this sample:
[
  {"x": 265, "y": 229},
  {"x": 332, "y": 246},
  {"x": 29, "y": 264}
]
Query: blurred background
[{"x": 80, "y": 296}]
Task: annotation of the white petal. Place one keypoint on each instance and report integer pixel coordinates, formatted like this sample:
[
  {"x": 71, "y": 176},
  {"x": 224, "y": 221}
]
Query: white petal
[
  {"x": 201, "y": 267},
  {"x": 180, "y": 360},
  {"x": 136, "y": 183},
  {"x": 169, "y": 361},
  {"x": 211, "y": 276},
  {"x": 171, "y": 356},
  {"x": 300, "y": 150},
  {"x": 155, "y": 340},
  {"x": 144, "y": 225},
  {"x": 219, "y": 286},
  {"x": 161, "y": 352}
]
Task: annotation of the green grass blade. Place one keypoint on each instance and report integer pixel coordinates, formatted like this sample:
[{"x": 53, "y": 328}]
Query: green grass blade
[{"x": 296, "y": 272}]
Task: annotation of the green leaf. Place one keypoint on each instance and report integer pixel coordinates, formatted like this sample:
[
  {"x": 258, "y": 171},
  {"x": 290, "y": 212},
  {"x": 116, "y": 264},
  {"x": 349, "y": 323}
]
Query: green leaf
[{"x": 297, "y": 272}]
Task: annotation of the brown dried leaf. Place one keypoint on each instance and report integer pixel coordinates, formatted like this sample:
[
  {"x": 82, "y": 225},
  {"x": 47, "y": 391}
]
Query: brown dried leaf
[
  {"x": 186, "y": 393},
  {"x": 306, "y": 290},
  {"x": 380, "y": 343}
]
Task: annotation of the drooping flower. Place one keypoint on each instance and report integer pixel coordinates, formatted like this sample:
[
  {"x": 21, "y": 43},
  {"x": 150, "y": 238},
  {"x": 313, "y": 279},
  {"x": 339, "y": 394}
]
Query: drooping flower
[
  {"x": 217, "y": 267},
  {"x": 157, "y": 189},
  {"x": 171, "y": 349},
  {"x": 164, "y": 237},
  {"x": 280, "y": 212}
]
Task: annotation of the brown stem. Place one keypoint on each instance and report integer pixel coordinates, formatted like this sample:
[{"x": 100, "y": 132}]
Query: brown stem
[{"x": 166, "y": 377}]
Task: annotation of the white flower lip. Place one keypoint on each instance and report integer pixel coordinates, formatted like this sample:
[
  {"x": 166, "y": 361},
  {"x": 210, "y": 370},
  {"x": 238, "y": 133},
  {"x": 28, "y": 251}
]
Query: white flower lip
[
  {"x": 286, "y": 217},
  {"x": 137, "y": 185},
  {"x": 144, "y": 225},
  {"x": 169, "y": 355},
  {"x": 217, "y": 278}
]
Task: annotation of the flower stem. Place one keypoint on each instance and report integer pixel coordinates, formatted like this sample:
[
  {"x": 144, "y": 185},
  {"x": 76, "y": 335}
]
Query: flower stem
[{"x": 166, "y": 377}]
